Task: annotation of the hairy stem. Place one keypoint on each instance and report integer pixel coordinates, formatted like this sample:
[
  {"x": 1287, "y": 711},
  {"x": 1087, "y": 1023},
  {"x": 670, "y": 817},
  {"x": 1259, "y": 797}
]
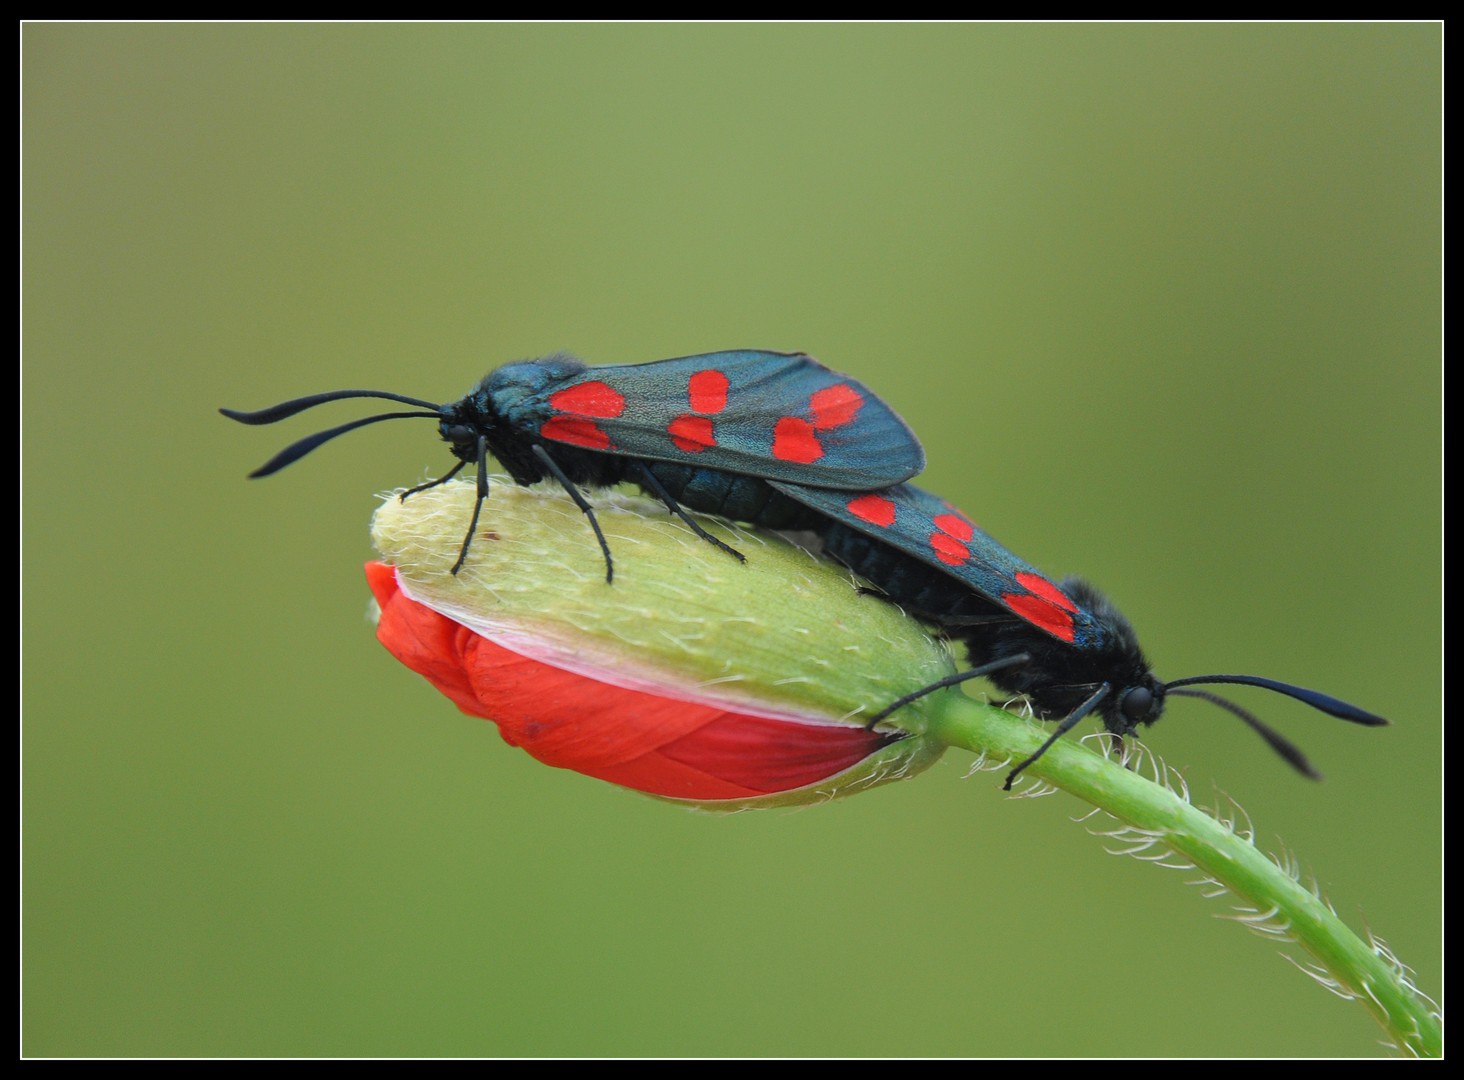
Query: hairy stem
[{"x": 1160, "y": 817}]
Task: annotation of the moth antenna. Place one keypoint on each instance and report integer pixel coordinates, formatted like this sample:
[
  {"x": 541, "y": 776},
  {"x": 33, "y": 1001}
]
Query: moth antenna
[
  {"x": 295, "y": 451},
  {"x": 1278, "y": 742},
  {"x": 286, "y": 409},
  {"x": 1317, "y": 700}
]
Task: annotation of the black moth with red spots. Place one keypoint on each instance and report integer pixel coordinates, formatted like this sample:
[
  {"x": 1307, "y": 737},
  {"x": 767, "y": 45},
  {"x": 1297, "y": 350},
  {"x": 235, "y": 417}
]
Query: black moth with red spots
[
  {"x": 1064, "y": 647},
  {"x": 702, "y": 432},
  {"x": 778, "y": 440}
]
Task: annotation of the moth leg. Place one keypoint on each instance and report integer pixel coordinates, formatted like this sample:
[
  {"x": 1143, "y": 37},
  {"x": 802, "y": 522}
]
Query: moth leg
[
  {"x": 477, "y": 503},
  {"x": 579, "y": 500},
  {"x": 648, "y": 480},
  {"x": 950, "y": 680},
  {"x": 1058, "y": 732},
  {"x": 433, "y": 483}
]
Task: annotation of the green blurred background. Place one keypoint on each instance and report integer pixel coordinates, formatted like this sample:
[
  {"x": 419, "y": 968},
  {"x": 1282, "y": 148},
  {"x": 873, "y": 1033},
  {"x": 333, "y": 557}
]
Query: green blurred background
[{"x": 1163, "y": 303}]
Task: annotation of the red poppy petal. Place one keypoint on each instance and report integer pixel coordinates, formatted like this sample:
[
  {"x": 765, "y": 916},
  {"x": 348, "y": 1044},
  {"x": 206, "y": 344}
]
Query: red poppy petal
[
  {"x": 664, "y": 746},
  {"x": 570, "y": 719},
  {"x": 657, "y": 774},
  {"x": 422, "y": 639},
  {"x": 768, "y": 755}
]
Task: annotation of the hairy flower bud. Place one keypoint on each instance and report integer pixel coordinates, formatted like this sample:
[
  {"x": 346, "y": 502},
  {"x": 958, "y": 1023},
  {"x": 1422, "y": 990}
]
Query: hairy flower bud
[{"x": 693, "y": 677}]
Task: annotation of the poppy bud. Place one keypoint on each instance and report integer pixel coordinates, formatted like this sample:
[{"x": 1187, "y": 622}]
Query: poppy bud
[{"x": 693, "y": 677}]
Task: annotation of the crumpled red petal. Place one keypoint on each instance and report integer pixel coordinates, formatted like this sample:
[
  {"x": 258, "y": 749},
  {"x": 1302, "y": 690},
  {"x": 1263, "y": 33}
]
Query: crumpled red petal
[{"x": 659, "y": 745}]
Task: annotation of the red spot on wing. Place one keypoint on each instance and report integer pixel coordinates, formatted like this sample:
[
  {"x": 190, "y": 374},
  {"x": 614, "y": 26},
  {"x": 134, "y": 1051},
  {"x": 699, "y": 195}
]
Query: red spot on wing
[
  {"x": 589, "y": 399},
  {"x": 576, "y": 431},
  {"x": 1036, "y": 583},
  {"x": 692, "y": 434},
  {"x": 707, "y": 391},
  {"x": 958, "y": 512},
  {"x": 794, "y": 440},
  {"x": 948, "y": 549},
  {"x": 875, "y": 509},
  {"x": 1042, "y": 614},
  {"x": 834, "y": 406},
  {"x": 956, "y": 525}
]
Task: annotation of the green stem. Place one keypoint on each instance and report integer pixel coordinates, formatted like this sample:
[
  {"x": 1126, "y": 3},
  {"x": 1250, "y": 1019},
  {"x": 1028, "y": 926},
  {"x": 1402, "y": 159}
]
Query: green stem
[{"x": 1159, "y": 818}]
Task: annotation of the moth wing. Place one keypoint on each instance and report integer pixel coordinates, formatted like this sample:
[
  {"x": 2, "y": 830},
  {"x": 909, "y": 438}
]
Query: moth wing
[
  {"x": 926, "y": 527},
  {"x": 767, "y": 414}
]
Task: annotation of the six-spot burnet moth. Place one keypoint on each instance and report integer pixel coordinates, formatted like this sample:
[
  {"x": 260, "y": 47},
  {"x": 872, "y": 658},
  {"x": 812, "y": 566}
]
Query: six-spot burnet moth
[
  {"x": 778, "y": 440},
  {"x": 1065, "y": 647},
  {"x": 704, "y": 432}
]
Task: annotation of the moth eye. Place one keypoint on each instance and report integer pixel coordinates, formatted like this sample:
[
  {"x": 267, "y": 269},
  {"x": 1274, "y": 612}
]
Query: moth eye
[
  {"x": 457, "y": 433},
  {"x": 1136, "y": 704}
]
